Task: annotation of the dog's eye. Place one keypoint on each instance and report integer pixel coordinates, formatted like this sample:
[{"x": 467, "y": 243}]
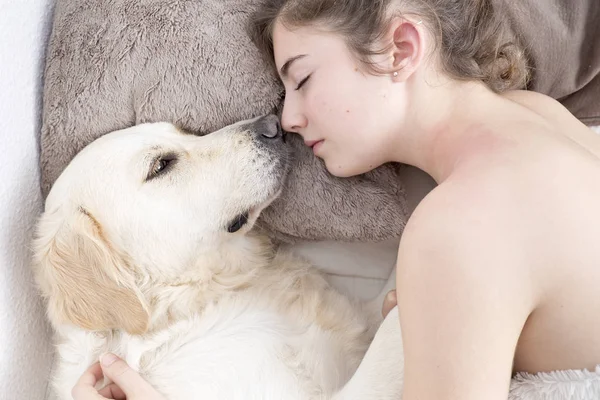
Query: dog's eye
[
  {"x": 237, "y": 223},
  {"x": 160, "y": 165}
]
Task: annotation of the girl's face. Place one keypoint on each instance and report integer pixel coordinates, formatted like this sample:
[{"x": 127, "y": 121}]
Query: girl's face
[{"x": 347, "y": 115}]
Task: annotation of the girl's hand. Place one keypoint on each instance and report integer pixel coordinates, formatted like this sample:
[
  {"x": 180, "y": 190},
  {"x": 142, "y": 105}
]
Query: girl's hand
[
  {"x": 128, "y": 384},
  {"x": 389, "y": 302}
]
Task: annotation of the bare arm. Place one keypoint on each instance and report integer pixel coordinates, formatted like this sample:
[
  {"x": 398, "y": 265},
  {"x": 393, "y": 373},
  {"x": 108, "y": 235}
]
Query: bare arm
[{"x": 463, "y": 300}]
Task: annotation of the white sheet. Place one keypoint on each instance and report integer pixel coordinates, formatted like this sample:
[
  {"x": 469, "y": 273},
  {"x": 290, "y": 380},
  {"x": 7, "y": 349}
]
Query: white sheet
[{"x": 358, "y": 269}]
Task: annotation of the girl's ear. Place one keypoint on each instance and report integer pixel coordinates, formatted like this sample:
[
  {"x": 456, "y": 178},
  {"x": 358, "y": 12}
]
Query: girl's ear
[{"x": 408, "y": 41}]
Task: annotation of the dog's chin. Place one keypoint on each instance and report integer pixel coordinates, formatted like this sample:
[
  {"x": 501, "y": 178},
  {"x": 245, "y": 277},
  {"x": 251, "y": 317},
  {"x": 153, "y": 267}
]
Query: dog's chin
[
  {"x": 272, "y": 194},
  {"x": 255, "y": 211}
]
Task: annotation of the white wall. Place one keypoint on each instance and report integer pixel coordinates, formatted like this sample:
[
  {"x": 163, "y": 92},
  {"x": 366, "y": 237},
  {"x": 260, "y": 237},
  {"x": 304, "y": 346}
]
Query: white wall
[{"x": 24, "y": 348}]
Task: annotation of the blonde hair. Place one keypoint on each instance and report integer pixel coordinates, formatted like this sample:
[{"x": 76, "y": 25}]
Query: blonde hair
[{"x": 473, "y": 41}]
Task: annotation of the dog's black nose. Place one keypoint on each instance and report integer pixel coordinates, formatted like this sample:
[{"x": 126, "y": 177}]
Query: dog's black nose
[
  {"x": 271, "y": 128},
  {"x": 268, "y": 127}
]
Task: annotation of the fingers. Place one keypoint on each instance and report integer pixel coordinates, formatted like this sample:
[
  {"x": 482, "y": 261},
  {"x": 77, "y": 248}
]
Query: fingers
[
  {"x": 112, "y": 391},
  {"x": 84, "y": 388},
  {"x": 389, "y": 303},
  {"x": 131, "y": 384}
]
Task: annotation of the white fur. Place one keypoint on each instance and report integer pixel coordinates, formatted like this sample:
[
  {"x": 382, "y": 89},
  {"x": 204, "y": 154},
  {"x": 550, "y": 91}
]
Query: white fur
[{"x": 224, "y": 315}]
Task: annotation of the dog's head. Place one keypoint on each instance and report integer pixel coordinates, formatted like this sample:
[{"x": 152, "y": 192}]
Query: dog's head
[{"x": 151, "y": 205}]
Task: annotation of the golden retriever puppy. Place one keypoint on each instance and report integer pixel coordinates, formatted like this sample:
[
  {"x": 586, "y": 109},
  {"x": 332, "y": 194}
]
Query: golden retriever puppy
[{"x": 146, "y": 249}]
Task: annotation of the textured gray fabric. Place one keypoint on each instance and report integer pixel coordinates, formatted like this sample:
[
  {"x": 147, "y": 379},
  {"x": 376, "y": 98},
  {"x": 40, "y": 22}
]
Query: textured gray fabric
[
  {"x": 562, "y": 38},
  {"x": 111, "y": 64}
]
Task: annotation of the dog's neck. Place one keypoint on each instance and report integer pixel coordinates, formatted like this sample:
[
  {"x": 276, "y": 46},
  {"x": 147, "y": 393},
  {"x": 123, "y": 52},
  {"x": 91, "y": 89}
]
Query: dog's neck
[{"x": 237, "y": 267}]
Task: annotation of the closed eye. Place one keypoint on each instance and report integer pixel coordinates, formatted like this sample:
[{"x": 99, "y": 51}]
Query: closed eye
[
  {"x": 302, "y": 82},
  {"x": 161, "y": 165}
]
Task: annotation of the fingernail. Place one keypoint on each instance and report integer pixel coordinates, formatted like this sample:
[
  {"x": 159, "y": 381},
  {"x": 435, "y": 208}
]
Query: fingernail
[{"x": 107, "y": 359}]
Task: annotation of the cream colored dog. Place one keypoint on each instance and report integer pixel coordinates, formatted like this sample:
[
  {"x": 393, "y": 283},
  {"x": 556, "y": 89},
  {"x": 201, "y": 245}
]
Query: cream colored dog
[{"x": 145, "y": 249}]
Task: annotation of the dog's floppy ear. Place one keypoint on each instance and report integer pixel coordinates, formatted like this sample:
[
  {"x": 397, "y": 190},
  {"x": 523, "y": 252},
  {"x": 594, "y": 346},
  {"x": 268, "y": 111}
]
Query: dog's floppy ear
[{"x": 86, "y": 282}]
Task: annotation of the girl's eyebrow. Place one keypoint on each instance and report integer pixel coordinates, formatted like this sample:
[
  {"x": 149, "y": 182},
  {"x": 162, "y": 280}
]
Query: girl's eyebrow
[{"x": 283, "y": 72}]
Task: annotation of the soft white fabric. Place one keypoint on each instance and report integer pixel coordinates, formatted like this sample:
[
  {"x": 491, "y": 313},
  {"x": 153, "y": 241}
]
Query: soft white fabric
[
  {"x": 25, "y": 353},
  {"x": 561, "y": 385}
]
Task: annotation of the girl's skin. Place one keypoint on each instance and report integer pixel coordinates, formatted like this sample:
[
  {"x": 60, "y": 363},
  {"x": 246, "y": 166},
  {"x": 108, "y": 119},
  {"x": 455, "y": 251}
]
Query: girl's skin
[
  {"x": 127, "y": 384},
  {"x": 499, "y": 266}
]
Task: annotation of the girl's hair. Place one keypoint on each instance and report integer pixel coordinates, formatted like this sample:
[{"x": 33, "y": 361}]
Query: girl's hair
[{"x": 473, "y": 41}]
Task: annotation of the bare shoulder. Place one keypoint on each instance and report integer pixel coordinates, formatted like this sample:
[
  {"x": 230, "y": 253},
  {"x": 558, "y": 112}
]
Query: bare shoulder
[
  {"x": 471, "y": 209},
  {"x": 538, "y": 103},
  {"x": 465, "y": 228}
]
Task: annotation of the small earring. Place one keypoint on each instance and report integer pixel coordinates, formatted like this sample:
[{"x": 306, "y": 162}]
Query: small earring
[
  {"x": 419, "y": 22},
  {"x": 395, "y": 73}
]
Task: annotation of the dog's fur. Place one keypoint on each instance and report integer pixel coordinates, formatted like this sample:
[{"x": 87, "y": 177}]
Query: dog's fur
[{"x": 147, "y": 268}]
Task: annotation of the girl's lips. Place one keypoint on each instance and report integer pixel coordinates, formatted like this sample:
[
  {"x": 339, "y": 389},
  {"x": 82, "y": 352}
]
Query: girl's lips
[
  {"x": 311, "y": 143},
  {"x": 317, "y": 146}
]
